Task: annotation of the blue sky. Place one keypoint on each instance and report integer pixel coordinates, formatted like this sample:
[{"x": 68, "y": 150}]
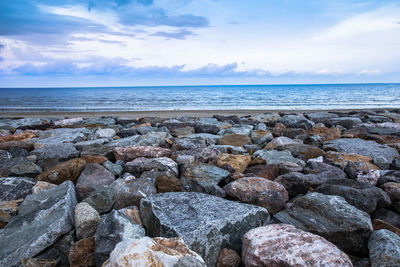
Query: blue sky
[{"x": 163, "y": 42}]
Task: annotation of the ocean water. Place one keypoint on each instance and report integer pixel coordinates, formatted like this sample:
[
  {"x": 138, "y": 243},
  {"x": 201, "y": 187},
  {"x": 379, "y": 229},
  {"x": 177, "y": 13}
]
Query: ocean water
[{"x": 237, "y": 97}]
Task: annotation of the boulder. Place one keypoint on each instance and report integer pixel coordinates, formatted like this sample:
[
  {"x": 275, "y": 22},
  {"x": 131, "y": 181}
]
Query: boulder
[
  {"x": 40, "y": 186},
  {"x": 284, "y": 245},
  {"x": 114, "y": 168},
  {"x": 165, "y": 181},
  {"x": 303, "y": 151},
  {"x": 25, "y": 168},
  {"x": 86, "y": 220},
  {"x": 384, "y": 248},
  {"x": 154, "y": 139},
  {"x": 260, "y": 136},
  {"x": 234, "y": 140},
  {"x": 347, "y": 122},
  {"x": 13, "y": 188},
  {"x": 280, "y": 141},
  {"x": 92, "y": 177},
  {"x": 130, "y": 153},
  {"x": 81, "y": 253},
  {"x": 17, "y": 137},
  {"x": 140, "y": 165},
  {"x": 326, "y": 133},
  {"x": 102, "y": 199},
  {"x": 105, "y": 133},
  {"x": 53, "y": 154},
  {"x": 228, "y": 258},
  {"x": 68, "y": 170},
  {"x": 266, "y": 171},
  {"x": 238, "y": 162},
  {"x": 321, "y": 116},
  {"x": 296, "y": 121},
  {"x": 188, "y": 143},
  {"x": 206, "y": 223},
  {"x": 276, "y": 157},
  {"x": 393, "y": 191}
]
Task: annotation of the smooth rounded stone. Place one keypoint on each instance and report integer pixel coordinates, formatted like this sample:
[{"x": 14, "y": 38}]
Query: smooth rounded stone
[
  {"x": 384, "y": 249},
  {"x": 239, "y": 130},
  {"x": 266, "y": 171},
  {"x": 260, "y": 136},
  {"x": 284, "y": 245},
  {"x": 204, "y": 178},
  {"x": 25, "y": 168},
  {"x": 393, "y": 191},
  {"x": 260, "y": 126},
  {"x": 228, "y": 258},
  {"x": 277, "y": 157},
  {"x": 8, "y": 209},
  {"x": 188, "y": 143},
  {"x": 280, "y": 141},
  {"x": 113, "y": 228},
  {"x": 234, "y": 140},
  {"x": 68, "y": 170},
  {"x": 26, "y": 144},
  {"x": 347, "y": 122},
  {"x": 154, "y": 139},
  {"x": 379, "y": 224},
  {"x": 165, "y": 181},
  {"x": 303, "y": 151},
  {"x": 245, "y": 188},
  {"x": 182, "y": 131},
  {"x": 296, "y": 121},
  {"x": 114, "y": 168},
  {"x": 102, "y": 199},
  {"x": 86, "y": 220},
  {"x": 237, "y": 150},
  {"x": 105, "y": 133},
  {"x": 381, "y": 155},
  {"x": 92, "y": 177},
  {"x": 42, "y": 218},
  {"x": 363, "y": 196},
  {"x": 326, "y": 133},
  {"x": 130, "y": 153},
  {"x": 81, "y": 253},
  {"x": 40, "y": 186},
  {"x": 129, "y": 192},
  {"x": 320, "y": 116},
  {"x": 140, "y": 165},
  {"x": 238, "y": 162},
  {"x": 157, "y": 251},
  {"x": 13, "y": 188},
  {"x": 124, "y": 142},
  {"x": 206, "y": 223},
  {"x": 53, "y": 154},
  {"x": 272, "y": 201},
  {"x": 332, "y": 218},
  {"x": 87, "y": 144}
]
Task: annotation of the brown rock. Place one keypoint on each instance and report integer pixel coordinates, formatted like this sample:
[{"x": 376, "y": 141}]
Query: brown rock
[
  {"x": 182, "y": 131},
  {"x": 168, "y": 183},
  {"x": 341, "y": 159},
  {"x": 266, "y": 171},
  {"x": 81, "y": 253},
  {"x": 379, "y": 224},
  {"x": 94, "y": 159},
  {"x": 25, "y": 144},
  {"x": 33, "y": 262},
  {"x": 17, "y": 137},
  {"x": 393, "y": 191},
  {"x": 238, "y": 162},
  {"x": 257, "y": 161},
  {"x": 228, "y": 258},
  {"x": 41, "y": 185},
  {"x": 68, "y": 170},
  {"x": 130, "y": 153},
  {"x": 303, "y": 150},
  {"x": 235, "y": 140},
  {"x": 133, "y": 213},
  {"x": 146, "y": 124},
  {"x": 326, "y": 133},
  {"x": 8, "y": 209},
  {"x": 279, "y": 129}
]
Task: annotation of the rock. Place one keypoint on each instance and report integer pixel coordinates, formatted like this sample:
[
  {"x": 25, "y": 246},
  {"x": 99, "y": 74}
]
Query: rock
[
  {"x": 267, "y": 117},
  {"x": 323, "y": 169},
  {"x": 326, "y": 133},
  {"x": 260, "y": 126},
  {"x": 270, "y": 200},
  {"x": 393, "y": 191},
  {"x": 105, "y": 133},
  {"x": 363, "y": 196},
  {"x": 284, "y": 245},
  {"x": 384, "y": 247},
  {"x": 296, "y": 121},
  {"x": 86, "y": 220},
  {"x": 25, "y": 168},
  {"x": 277, "y": 157},
  {"x": 92, "y": 177},
  {"x": 287, "y": 167},
  {"x": 370, "y": 177},
  {"x": 388, "y": 216},
  {"x": 341, "y": 160},
  {"x": 381, "y": 155},
  {"x": 134, "y": 214},
  {"x": 228, "y": 258},
  {"x": 113, "y": 228},
  {"x": 165, "y": 181},
  {"x": 238, "y": 162},
  {"x": 41, "y": 220},
  {"x": 8, "y": 209},
  {"x": 203, "y": 155},
  {"x": 68, "y": 122},
  {"x": 154, "y": 139},
  {"x": 211, "y": 139},
  {"x": 102, "y": 199},
  {"x": 260, "y": 136},
  {"x": 94, "y": 159},
  {"x": 240, "y": 130},
  {"x": 99, "y": 122},
  {"x": 17, "y": 137},
  {"x": 183, "y": 131},
  {"x": 52, "y": 154},
  {"x": 206, "y": 223},
  {"x": 26, "y": 144},
  {"x": 40, "y": 186},
  {"x": 189, "y": 143},
  {"x": 129, "y": 192},
  {"x": 114, "y": 168},
  {"x": 321, "y": 116},
  {"x": 347, "y": 122},
  {"x": 199, "y": 177},
  {"x": 83, "y": 145},
  {"x": 269, "y": 172},
  {"x": 379, "y": 224},
  {"x": 34, "y": 262},
  {"x": 130, "y": 153},
  {"x": 68, "y": 170},
  {"x": 303, "y": 151},
  {"x": 157, "y": 251},
  {"x": 13, "y": 188},
  {"x": 234, "y": 140},
  {"x": 140, "y": 165},
  {"x": 280, "y": 141},
  {"x": 124, "y": 142},
  {"x": 59, "y": 136},
  {"x": 81, "y": 253},
  {"x": 330, "y": 217}
]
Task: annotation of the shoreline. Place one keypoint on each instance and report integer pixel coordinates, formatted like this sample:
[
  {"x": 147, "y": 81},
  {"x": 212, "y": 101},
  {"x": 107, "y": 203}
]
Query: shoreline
[{"x": 171, "y": 113}]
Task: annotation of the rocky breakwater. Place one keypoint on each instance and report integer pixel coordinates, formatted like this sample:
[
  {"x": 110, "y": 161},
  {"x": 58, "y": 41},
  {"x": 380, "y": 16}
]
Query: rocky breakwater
[{"x": 312, "y": 189}]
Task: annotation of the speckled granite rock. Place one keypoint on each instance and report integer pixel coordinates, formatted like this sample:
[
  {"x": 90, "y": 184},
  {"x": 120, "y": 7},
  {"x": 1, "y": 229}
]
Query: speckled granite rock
[{"x": 384, "y": 247}]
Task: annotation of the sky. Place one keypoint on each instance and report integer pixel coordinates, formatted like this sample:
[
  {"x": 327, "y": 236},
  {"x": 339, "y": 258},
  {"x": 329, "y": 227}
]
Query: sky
[{"x": 46, "y": 43}]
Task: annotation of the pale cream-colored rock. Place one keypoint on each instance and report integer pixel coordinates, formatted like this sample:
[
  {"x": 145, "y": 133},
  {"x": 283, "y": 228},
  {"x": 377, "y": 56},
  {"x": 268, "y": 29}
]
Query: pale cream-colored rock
[
  {"x": 86, "y": 220},
  {"x": 148, "y": 251},
  {"x": 238, "y": 162}
]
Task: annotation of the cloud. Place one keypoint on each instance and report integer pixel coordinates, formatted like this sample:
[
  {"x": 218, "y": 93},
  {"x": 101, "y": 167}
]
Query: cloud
[{"x": 180, "y": 35}]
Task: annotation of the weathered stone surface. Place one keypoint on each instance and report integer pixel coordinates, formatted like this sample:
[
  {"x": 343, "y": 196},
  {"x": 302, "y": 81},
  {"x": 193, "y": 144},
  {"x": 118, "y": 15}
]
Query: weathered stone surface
[
  {"x": 92, "y": 177},
  {"x": 267, "y": 117},
  {"x": 237, "y": 150},
  {"x": 342, "y": 159},
  {"x": 140, "y": 165},
  {"x": 280, "y": 141},
  {"x": 34, "y": 262},
  {"x": 284, "y": 245},
  {"x": 21, "y": 144},
  {"x": 347, "y": 122},
  {"x": 260, "y": 136},
  {"x": 276, "y": 157},
  {"x": 154, "y": 139},
  {"x": 81, "y": 253},
  {"x": 272, "y": 201},
  {"x": 182, "y": 131},
  {"x": 296, "y": 121},
  {"x": 59, "y": 136},
  {"x": 105, "y": 133},
  {"x": 94, "y": 159},
  {"x": 384, "y": 249},
  {"x": 238, "y": 162},
  {"x": 269, "y": 172},
  {"x": 25, "y": 168},
  {"x": 8, "y": 209},
  {"x": 203, "y": 155},
  {"x": 148, "y": 251},
  {"x": 239, "y": 130},
  {"x": 206, "y": 223},
  {"x": 84, "y": 145},
  {"x": 330, "y": 217},
  {"x": 393, "y": 191},
  {"x": 68, "y": 122},
  {"x": 228, "y": 258},
  {"x": 189, "y": 143},
  {"x": 68, "y": 170},
  {"x": 124, "y": 142},
  {"x": 13, "y": 188},
  {"x": 113, "y": 228},
  {"x": 381, "y": 155},
  {"x": 17, "y": 137},
  {"x": 323, "y": 169},
  {"x": 41, "y": 220},
  {"x": 102, "y": 199},
  {"x": 303, "y": 151},
  {"x": 388, "y": 216},
  {"x": 114, "y": 168},
  {"x": 287, "y": 167},
  {"x": 165, "y": 181},
  {"x": 86, "y": 220},
  {"x": 133, "y": 213},
  {"x": 130, "y": 153},
  {"x": 363, "y": 196},
  {"x": 379, "y": 224},
  {"x": 234, "y": 140},
  {"x": 321, "y": 116},
  {"x": 52, "y": 154},
  {"x": 40, "y": 186},
  {"x": 326, "y": 133}
]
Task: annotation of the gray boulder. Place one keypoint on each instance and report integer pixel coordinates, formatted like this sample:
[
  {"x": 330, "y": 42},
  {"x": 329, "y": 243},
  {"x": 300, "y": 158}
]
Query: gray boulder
[
  {"x": 102, "y": 199},
  {"x": 384, "y": 249},
  {"x": 321, "y": 116},
  {"x": 93, "y": 177},
  {"x": 154, "y": 139},
  {"x": 296, "y": 121},
  {"x": 25, "y": 168},
  {"x": 13, "y": 188},
  {"x": 140, "y": 165},
  {"x": 206, "y": 223},
  {"x": 277, "y": 157},
  {"x": 53, "y": 154},
  {"x": 347, "y": 122}
]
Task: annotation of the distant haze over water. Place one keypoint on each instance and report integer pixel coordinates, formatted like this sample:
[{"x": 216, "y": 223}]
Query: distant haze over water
[{"x": 237, "y": 97}]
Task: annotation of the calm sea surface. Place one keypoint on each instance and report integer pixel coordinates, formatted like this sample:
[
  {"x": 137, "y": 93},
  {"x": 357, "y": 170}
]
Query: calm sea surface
[{"x": 282, "y": 97}]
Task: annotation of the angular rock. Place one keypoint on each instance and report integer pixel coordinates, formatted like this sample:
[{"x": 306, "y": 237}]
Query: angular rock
[
  {"x": 277, "y": 157},
  {"x": 269, "y": 172},
  {"x": 393, "y": 191},
  {"x": 154, "y": 139},
  {"x": 124, "y": 142},
  {"x": 86, "y": 220},
  {"x": 52, "y": 154},
  {"x": 203, "y": 155},
  {"x": 206, "y": 223},
  {"x": 25, "y": 168},
  {"x": 105, "y": 133},
  {"x": 40, "y": 186},
  {"x": 228, "y": 258},
  {"x": 330, "y": 217},
  {"x": 323, "y": 169},
  {"x": 165, "y": 181},
  {"x": 326, "y": 133},
  {"x": 238, "y": 162},
  {"x": 296, "y": 121},
  {"x": 384, "y": 247},
  {"x": 114, "y": 168},
  {"x": 13, "y": 188},
  {"x": 239, "y": 130},
  {"x": 92, "y": 177},
  {"x": 21, "y": 144},
  {"x": 102, "y": 199},
  {"x": 17, "y": 137},
  {"x": 182, "y": 131},
  {"x": 260, "y": 136},
  {"x": 347, "y": 122},
  {"x": 341, "y": 160},
  {"x": 303, "y": 151},
  {"x": 8, "y": 209},
  {"x": 272, "y": 201},
  {"x": 379, "y": 224},
  {"x": 81, "y": 253},
  {"x": 84, "y": 145},
  {"x": 234, "y": 140},
  {"x": 68, "y": 170},
  {"x": 321, "y": 116},
  {"x": 130, "y": 153},
  {"x": 140, "y": 165},
  {"x": 280, "y": 141}
]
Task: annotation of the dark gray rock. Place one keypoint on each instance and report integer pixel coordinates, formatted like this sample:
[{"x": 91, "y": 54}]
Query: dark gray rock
[
  {"x": 92, "y": 177},
  {"x": 277, "y": 157},
  {"x": 331, "y": 217},
  {"x": 112, "y": 229},
  {"x": 321, "y": 116},
  {"x": 140, "y": 165},
  {"x": 42, "y": 218},
  {"x": 53, "y": 154},
  {"x": 87, "y": 144},
  {"x": 188, "y": 143},
  {"x": 347, "y": 122},
  {"x": 154, "y": 139},
  {"x": 7, "y": 163},
  {"x": 114, "y": 168},
  {"x": 13, "y": 188},
  {"x": 296, "y": 121},
  {"x": 388, "y": 216},
  {"x": 203, "y": 155},
  {"x": 102, "y": 199},
  {"x": 384, "y": 249},
  {"x": 382, "y": 155},
  {"x": 97, "y": 150},
  {"x": 25, "y": 168},
  {"x": 206, "y": 223},
  {"x": 124, "y": 142},
  {"x": 324, "y": 169}
]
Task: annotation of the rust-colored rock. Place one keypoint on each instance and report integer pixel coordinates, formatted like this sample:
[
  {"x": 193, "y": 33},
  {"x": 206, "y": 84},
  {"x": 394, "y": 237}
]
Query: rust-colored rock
[
  {"x": 279, "y": 129},
  {"x": 130, "y": 153},
  {"x": 266, "y": 171},
  {"x": 68, "y": 170},
  {"x": 228, "y": 258},
  {"x": 238, "y": 162},
  {"x": 94, "y": 159},
  {"x": 81, "y": 253},
  {"x": 326, "y": 133},
  {"x": 235, "y": 140},
  {"x": 379, "y": 224},
  {"x": 25, "y": 144},
  {"x": 8, "y": 209},
  {"x": 341, "y": 159},
  {"x": 168, "y": 183},
  {"x": 17, "y": 137},
  {"x": 133, "y": 213},
  {"x": 34, "y": 262}
]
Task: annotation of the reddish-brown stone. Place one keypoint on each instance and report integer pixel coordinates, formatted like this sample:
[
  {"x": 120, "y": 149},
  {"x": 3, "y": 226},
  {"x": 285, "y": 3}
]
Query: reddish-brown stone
[
  {"x": 81, "y": 253},
  {"x": 228, "y": 258},
  {"x": 235, "y": 140},
  {"x": 266, "y": 171},
  {"x": 238, "y": 162},
  {"x": 17, "y": 137},
  {"x": 68, "y": 170},
  {"x": 130, "y": 153},
  {"x": 379, "y": 224},
  {"x": 326, "y": 133}
]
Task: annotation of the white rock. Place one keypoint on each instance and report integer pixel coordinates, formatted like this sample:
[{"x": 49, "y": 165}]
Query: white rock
[{"x": 105, "y": 133}]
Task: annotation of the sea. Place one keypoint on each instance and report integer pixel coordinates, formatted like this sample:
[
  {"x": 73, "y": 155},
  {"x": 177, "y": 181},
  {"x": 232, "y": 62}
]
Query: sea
[{"x": 225, "y": 97}]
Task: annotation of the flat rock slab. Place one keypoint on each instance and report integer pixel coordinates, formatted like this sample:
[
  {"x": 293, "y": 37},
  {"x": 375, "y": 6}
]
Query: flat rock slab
[
  {"x": 206, "y": 223},
  {"x": 42, "y": 218}
]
